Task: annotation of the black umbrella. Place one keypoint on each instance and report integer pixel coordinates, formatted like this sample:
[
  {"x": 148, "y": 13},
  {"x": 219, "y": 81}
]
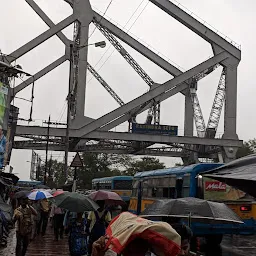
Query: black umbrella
[
  {"x": 75, "y": 202},
  {"x": 194, "y": 209},
  {"x": 240, "y": 174},
  {"x": 21, "y": 194}
]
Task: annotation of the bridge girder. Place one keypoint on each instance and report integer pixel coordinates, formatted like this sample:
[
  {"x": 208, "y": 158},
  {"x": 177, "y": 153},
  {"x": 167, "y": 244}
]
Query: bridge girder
[{"x": 225, "y": 54}]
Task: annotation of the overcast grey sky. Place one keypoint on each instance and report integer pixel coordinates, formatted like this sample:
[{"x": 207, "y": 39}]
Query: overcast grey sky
[{"x": 234, "y": 18}]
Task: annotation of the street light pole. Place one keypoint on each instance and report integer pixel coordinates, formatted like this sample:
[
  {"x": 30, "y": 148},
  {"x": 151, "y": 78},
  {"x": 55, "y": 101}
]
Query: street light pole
[
  {"x": 68, "y": 111},
  {"x": 100, "y": 44},
  {"x": 47, "y": 146}
]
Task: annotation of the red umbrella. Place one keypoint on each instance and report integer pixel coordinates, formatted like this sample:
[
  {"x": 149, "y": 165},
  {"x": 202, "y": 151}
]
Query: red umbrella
[
  {"x": 107, "y": 196},
  {"x": 58, "y": 192}
]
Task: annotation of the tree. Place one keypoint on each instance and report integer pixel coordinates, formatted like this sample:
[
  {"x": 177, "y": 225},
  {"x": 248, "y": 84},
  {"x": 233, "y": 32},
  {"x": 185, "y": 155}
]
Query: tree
[
  {"x": 98, "y": 165},
  {"x": 144, "y": 164},
  {"x": 248, "y": 148}
]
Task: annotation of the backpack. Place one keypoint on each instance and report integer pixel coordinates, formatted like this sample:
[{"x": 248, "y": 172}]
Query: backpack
[
  {"x": 25, "y": 222},
  {"x": 99, "y": 228}
]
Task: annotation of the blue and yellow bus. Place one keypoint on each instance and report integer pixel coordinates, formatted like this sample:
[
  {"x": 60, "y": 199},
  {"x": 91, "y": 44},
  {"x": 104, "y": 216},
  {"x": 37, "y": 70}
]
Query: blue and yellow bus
[
  {"x": 122, "y": 185},
  {"x": 187, "y": 181}
]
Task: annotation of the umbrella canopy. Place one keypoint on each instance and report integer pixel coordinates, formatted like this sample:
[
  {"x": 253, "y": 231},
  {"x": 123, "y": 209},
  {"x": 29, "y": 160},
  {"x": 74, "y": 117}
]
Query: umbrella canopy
[
  {"x": 58, "y": 192},
  {"x": 107, "y": 196},
  {"x": 240, "y": 174},
  {"x": 21, "y": 194},
  {"x": 75, "y": 202},
  {"x": 38, "y": 195},
  {"x": 194, "y": 208}
]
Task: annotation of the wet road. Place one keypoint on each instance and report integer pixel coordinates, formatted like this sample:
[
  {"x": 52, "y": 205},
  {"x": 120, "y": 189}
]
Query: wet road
[
  {"x": 46, "y": 246},
  {"x": 238, "y": 246},
  {"x": 41, "y": 246}
]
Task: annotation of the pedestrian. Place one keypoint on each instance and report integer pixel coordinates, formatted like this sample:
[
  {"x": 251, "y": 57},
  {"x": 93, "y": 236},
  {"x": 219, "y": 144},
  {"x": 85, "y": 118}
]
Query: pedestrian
[
  {"x": 78, "y": 236},
  {"x": 23, "y": 219},
  {"x": 57, "y": 216},
  {"x": 34, "y": 221},
  {"x": 186, "y": 235},
  {"x": 97, "y": 223},
  {"x": 44, "y": 215}
]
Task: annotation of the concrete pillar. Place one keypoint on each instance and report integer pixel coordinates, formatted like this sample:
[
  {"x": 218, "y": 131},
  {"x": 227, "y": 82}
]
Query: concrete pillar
[{"x": 83, "y": 13}]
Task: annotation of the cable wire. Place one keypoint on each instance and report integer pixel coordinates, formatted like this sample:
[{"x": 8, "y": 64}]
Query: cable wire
[
  {"x": 127, "y": 32},
  {"x": 101, "y": 17}
]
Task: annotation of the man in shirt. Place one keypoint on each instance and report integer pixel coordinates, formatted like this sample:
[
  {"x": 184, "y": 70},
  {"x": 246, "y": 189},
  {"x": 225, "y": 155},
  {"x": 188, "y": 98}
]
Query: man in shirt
[
  {"x": 57, "y": 214},
  {"x": 44, "y": 215},
  {"x": 23, "y": 219},
  {"x": 97, "y": 223}
]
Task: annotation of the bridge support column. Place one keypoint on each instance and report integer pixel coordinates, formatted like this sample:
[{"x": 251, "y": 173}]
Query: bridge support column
[
  {"x": 84, "y": 14},
  {"x": 230, "y": 107},
  {"x": 189, "y": 115}
]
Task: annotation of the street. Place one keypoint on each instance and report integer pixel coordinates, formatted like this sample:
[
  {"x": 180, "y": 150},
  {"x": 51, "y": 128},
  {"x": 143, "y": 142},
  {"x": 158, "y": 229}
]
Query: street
[{"x": 46, "y": 246}]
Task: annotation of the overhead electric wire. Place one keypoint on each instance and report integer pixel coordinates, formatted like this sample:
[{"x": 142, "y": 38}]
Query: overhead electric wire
[
  {"x": 102, "y": 17},
  {"x": 127, "y": 31}
]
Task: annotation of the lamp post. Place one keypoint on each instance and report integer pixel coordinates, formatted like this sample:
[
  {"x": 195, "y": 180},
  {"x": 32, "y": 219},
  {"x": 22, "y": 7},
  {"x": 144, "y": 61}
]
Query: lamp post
[{"x": 100, "y": 44}]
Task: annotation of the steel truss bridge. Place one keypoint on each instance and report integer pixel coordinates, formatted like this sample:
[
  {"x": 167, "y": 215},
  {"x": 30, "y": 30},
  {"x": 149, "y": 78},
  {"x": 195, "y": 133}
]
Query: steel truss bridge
[{"x": 95, "y": 135}]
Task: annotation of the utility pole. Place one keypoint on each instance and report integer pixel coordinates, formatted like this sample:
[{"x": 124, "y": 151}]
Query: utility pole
[
  {"x": 68, "y": 111},
  {"x": 47, "y": 146}
]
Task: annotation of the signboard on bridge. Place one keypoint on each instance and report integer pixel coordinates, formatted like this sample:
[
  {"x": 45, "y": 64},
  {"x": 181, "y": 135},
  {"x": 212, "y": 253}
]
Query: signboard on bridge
[{"x": 155, "y": 129}]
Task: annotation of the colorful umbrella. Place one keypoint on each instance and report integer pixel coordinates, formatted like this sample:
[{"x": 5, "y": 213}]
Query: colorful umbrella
[
  {"x": 107, "y": 196},
  {"x": 38, "y": 195}
]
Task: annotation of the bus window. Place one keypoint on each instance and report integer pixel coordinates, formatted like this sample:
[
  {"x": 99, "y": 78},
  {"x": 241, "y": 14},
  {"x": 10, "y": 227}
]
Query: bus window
[
  {"x": 123, "y": 184},
  {"x": 186, "y": 186},
  {"x": 147, "y": 192},
  {"x": 179, "y": 187},
  {"x": 166, "y": 192},
  {"x": 154, "y": 192}
]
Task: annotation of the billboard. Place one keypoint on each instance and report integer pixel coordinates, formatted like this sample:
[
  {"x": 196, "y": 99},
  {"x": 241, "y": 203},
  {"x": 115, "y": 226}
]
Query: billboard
[
  {"x": 219, "y": 191},
  {"x": 3, "y": 120},
  {"x": 155, "y": 129},
  {"x": 12, "y": 124}
]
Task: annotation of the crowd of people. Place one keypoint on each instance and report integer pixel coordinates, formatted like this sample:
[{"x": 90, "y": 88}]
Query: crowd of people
[{"x": 87, "y": 231}]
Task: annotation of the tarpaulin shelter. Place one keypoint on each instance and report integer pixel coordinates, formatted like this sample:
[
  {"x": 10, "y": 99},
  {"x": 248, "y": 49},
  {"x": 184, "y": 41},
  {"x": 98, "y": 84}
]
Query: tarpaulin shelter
[
  {"x": 240, "y": 173},
  {"x": 126, "y": 227}
]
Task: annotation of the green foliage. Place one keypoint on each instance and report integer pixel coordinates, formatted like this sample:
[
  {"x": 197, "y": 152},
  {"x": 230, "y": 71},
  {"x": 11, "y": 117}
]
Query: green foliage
[
  {"x": 98, "y": 165},
  {"x": 248, "y": 148},
  {"x": 144, "y": 164}
]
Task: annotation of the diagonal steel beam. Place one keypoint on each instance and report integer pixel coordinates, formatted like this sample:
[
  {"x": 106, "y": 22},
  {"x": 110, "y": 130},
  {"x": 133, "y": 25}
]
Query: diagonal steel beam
[
  {"x": 47, "y": 20},
  {"x": 175, "y": 82},
  {"x": 127, "y": 116},
  {"x": 40, "y": 39},
  {"x": 196, "y": 26},
  {"x": 138, "y": 46},
  {"x": 39, "y": 74}
]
